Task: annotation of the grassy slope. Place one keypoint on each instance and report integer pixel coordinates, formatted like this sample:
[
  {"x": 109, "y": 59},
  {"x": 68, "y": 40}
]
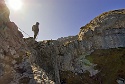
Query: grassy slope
[{"x": 110, "y": 63}]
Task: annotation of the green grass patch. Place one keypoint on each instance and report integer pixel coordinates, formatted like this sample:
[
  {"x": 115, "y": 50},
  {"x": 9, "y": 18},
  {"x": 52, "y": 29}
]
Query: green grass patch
[{"x": 110, "y": 63}]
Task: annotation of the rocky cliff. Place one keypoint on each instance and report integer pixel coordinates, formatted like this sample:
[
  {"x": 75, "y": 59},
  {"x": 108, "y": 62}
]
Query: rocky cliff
[
  {"x": 95, "y": 56},
  {"x": 15, "y": 67},
  {"x": 105, "y": 31}
]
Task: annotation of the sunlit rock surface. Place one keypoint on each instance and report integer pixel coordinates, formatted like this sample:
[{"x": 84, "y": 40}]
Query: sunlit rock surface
[
  {"x": 72, "y": 62},
  {"x": 105, "y": 31},
  {"x": 95, "y": 56},
  {"x": 15, "y": 67},
  {"x": 4, "y": 12}
]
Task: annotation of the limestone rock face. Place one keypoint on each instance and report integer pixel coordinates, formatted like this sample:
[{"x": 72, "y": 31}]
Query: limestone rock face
[
  {"x": 67, "y": 39},
  {"x": 15, "y": 67},
  {"x": 71, "y": 60},
  {"x": 105, "y": 31},
  {"x": 54, "y": 58}
]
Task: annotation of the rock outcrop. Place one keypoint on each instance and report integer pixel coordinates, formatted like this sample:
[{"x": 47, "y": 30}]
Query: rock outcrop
[
  {"x": 4, "y": 12},
  {"x": 67, "y": 39},
  {"x": 105, "y": 31},
  {"x": 95, "y": 56},
  {"x": 70, "y": 58},
  {"x": 15, "y": 67}
]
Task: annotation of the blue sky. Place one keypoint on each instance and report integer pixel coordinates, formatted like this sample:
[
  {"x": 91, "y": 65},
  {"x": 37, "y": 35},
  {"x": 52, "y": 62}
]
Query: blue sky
[{"x": 60, "y": 18}]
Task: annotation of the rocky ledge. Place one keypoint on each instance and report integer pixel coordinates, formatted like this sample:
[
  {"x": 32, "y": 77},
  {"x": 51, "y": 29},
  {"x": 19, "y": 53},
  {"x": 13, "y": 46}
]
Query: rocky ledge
[
  {"x": 95, "y": 56},
  {"x": 73, "y": 62},
  {"x": 105, "y": 31}
]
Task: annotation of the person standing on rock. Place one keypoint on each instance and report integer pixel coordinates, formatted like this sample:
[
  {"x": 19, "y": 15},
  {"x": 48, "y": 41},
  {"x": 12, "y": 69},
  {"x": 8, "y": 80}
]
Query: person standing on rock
[{"x": 35, "y": 29}]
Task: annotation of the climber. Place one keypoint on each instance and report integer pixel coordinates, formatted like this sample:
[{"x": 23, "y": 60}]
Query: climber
[{"x": 35, "y": 29}]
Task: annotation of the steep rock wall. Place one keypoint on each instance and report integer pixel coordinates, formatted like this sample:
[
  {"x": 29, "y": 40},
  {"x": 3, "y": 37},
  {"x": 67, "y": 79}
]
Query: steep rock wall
[
  {"x": 56, "y": 58},
  {"x": 105, "y": 31},
  {"x": 4, "y": 12},
  {"x": 15, "y": 67},
  {"x": 25, "y": 61}
]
